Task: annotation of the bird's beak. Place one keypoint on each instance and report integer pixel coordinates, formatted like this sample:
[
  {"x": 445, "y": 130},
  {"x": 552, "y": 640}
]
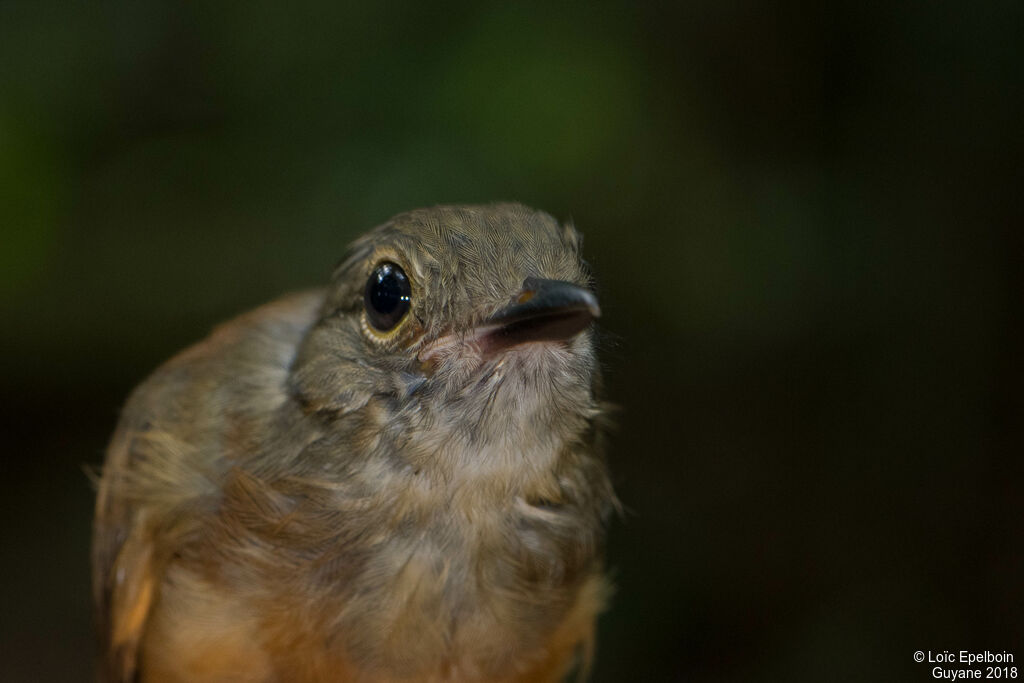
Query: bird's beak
[{"x": 545, "y": 310}]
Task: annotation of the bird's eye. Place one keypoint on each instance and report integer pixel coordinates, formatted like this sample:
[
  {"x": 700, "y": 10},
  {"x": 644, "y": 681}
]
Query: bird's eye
[{"x": 387, "y": 296}]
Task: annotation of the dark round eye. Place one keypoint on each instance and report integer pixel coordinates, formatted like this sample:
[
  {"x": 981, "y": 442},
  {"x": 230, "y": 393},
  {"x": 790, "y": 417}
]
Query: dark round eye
[{"x": 387, "y": 296}]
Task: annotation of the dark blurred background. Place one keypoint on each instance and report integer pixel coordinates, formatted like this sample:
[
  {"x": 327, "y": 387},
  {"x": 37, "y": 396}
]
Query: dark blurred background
[{"x": 805, "y": 218}]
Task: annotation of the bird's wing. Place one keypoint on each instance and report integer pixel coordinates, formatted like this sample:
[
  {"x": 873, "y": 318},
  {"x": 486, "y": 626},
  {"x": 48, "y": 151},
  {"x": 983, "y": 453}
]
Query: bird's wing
[
  {"x": 124, "y": 579},
  {"x": 149, "y": 490},
  {"x": 162, "y": 477}
]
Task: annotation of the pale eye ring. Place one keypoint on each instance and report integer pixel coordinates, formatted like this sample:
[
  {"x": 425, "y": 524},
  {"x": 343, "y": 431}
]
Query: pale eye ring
[{"x": 387, "y": 297}]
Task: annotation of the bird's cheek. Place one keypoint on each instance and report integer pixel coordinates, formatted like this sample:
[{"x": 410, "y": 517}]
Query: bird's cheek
[{"x": 428, "y": 366}]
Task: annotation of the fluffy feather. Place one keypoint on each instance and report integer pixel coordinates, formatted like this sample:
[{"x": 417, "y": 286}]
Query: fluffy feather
[{"x": 299, "y": 498}]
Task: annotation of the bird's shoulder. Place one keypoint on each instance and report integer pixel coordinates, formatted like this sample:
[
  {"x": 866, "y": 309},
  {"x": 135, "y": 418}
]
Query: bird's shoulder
[{"x": 163, "y": 463}]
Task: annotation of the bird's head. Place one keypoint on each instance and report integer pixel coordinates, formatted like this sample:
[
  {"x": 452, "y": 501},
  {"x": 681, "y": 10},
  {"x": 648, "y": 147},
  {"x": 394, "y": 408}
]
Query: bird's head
[{"x": 472, "y": 321}]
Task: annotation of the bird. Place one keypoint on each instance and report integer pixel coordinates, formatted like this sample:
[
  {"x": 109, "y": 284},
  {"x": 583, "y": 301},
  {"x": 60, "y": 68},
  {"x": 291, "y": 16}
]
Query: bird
[{"x": 399, "y": 476}]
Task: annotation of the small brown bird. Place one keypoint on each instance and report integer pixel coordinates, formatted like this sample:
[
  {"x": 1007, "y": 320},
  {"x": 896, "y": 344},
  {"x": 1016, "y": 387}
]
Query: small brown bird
[{"x": 396, "y": 478}]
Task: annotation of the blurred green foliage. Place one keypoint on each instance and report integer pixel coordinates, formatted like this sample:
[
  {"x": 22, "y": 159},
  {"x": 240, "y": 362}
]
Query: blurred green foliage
[{"x": 805, "y": 219}]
